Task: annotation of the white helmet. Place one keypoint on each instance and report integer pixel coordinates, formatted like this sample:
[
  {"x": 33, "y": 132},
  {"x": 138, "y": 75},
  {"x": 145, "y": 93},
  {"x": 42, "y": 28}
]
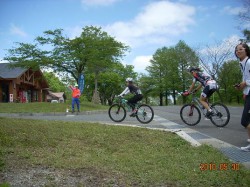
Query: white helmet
[{"x": 129, "y": 79}]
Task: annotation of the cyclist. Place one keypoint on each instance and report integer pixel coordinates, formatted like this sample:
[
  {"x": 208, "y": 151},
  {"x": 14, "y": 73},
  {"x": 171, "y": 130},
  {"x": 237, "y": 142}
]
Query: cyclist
[
  {"x": 210, "y": 86},
  {"x": 131, "y": 88}
]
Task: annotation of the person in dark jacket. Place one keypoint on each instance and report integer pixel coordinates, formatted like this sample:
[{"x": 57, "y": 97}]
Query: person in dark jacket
[{"x": 131, "y": 88}]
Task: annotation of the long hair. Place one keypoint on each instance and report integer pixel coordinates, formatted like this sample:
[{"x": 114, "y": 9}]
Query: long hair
[{"x": 245, "y": 46}]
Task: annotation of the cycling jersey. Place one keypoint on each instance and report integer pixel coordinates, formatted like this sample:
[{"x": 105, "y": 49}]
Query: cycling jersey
[
  {"x": 131, "y": 89},
  {"x": 210, "y": 85},
  {"x": 202, "y": 78}
]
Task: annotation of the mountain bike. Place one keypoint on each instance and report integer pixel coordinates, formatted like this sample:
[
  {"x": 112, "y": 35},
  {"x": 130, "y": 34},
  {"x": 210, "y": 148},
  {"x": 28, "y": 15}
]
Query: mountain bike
[
  {"x": 118, "y": 111},
  {"x": 191, "y": 113}
]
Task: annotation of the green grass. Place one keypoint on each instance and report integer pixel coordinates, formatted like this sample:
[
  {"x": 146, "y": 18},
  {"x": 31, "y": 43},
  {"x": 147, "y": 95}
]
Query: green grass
[
  {"x": 38, "y": 107},
  {"x": 122, "y": 155}
]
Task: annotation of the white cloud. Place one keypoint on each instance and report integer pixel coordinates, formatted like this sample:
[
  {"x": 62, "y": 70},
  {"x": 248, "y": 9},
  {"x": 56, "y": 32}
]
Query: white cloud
[
  {"x": 157, "y": 22},
  {"x": 98, "y": 2},
  {"x": 232, "y": 10},
  {"x": 3, "y": 61},
  {"x": 141, "y": 62},
  {"x": 17, "y": 31}
]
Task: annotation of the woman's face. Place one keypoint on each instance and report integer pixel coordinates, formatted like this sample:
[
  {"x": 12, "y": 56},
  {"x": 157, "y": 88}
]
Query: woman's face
[
  {"x": 240, "y": 52},
  {"x": 193, "y": 73}
]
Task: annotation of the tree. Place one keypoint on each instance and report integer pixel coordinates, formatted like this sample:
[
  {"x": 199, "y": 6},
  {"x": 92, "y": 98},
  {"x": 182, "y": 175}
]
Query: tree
[
  {"x": 27, "y": 56},
  {"x": 102, "y": 51},
  {"x": 157, "y": 72},
  {"x": 185, "y": 57},
  {"x": 94, "y": 50},
  {"x": 55, "y": 84},
  {"x": 229, "y": 75},
  {"x": 212, "y": 58},
  {"x": 168, "y": 69},
  {"x": 146, "y": 85},
  {"x": 109, "y": 86},
  {"x": 111, "y": 82}
]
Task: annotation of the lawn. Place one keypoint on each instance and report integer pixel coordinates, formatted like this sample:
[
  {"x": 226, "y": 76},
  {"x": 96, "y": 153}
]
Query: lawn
[
  {"x": 88, "y": 154},
  {"x": 38, "y": 107}
]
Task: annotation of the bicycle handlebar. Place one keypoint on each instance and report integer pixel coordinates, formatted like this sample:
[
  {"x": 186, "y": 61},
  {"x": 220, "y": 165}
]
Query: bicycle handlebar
[{"x": 190, "y": 93}]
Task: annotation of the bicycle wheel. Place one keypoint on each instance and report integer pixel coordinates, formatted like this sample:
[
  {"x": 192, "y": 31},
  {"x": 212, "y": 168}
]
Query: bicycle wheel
[
  {"x": 190, "y": 114},
  {"x": 117, "y": 113},
  {"x": 145, "y": 114},
  {"x": 221, "y": 115}
]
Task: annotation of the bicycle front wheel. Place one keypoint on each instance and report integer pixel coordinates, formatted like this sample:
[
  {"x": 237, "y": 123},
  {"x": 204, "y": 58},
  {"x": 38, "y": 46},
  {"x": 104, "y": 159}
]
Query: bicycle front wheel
[
  {"x": 190, "y": 114},
  {"x": 221, "y": 115},
  {"x": 145, "y": 114},
  {"x": 117, "y": 113}
]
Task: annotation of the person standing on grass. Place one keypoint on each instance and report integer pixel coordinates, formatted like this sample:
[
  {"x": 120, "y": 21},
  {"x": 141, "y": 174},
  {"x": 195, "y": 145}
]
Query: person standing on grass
[
  {"x": 75, "y": 97},
  {"x": 242, "y": 52}
]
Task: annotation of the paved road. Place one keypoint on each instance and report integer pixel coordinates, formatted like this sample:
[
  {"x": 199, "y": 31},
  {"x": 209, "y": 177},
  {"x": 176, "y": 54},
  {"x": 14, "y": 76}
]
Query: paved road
[{"x": 233, "y": 133}]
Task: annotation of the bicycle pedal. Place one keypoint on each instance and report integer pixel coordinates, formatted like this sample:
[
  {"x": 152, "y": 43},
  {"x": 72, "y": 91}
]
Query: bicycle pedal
[{"x": 132, "y": 115}]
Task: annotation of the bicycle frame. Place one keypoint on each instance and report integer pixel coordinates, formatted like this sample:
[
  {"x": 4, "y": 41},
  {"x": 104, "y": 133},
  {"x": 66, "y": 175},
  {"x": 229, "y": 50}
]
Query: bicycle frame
[
  {"x": 124, "y": 103},
  {"x": 196, "y": 101},
  {"x": 191, "y": 112}
]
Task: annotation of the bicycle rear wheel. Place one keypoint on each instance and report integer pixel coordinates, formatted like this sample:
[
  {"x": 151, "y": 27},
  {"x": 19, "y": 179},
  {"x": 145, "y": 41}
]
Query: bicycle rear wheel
[
  {"x": 145, "y": 114},
  {"x": 190, "y": 114},
  {"x": 117, "y": 113},
  {"x": 221, "y": 115}
]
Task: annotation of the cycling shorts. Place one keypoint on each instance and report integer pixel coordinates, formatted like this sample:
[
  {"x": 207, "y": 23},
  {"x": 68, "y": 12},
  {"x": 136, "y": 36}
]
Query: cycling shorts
[{"x": 209, "y": 89}]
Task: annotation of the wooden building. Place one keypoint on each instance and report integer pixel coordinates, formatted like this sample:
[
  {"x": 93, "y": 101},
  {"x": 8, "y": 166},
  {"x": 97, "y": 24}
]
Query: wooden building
[{"x": 22, "y": 85}]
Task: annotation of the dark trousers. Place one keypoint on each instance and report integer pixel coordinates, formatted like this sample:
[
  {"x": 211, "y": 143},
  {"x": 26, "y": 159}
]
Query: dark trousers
[
  {"x": 133, "y": 100},
  {"x": 245, "y": 118},
  {"x": 75, "y": 100}
]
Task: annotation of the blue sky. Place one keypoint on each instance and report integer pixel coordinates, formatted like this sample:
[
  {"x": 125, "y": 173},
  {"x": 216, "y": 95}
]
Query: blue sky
[{"x": 144, "y": 25}]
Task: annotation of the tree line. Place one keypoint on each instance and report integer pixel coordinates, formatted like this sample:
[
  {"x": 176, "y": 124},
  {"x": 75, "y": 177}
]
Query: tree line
[
  {"x": 168, "y": 73},
  {"x": 98, "y": 56}
]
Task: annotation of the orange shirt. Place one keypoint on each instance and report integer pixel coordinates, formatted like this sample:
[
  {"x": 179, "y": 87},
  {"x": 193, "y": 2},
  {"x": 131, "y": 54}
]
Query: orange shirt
[{"x": 76, "y": 93}]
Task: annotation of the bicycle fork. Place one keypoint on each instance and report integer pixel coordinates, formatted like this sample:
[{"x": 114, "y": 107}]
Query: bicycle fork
[
  {"x": 191, "y": 111},
  {"x": 118, "y": 110}
]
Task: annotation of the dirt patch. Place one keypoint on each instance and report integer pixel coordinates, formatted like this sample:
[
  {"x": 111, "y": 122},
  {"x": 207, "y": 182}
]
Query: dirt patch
[
  {"x": 40, "y": 176},
  {"x": 18, "y": 172}
]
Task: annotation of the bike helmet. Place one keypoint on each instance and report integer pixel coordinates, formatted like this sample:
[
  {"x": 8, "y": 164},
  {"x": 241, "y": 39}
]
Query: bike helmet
[
  {"x": 129, "y": 79},
  {"x": 193, "y": 69}
]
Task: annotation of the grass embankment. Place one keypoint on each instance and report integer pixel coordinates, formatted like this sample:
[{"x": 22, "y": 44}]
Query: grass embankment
[
  {"x": 112, "y": 155},
  {"x": 39, "y": 107}
]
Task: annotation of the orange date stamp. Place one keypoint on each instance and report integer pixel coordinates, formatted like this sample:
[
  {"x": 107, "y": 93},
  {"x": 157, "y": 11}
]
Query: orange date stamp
[{"x": 219, "y": 167}]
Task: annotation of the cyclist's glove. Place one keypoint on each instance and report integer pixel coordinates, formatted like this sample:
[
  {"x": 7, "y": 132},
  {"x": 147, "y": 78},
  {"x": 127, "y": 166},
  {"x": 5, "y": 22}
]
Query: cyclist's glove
[{"x": 186, "y": 93}]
